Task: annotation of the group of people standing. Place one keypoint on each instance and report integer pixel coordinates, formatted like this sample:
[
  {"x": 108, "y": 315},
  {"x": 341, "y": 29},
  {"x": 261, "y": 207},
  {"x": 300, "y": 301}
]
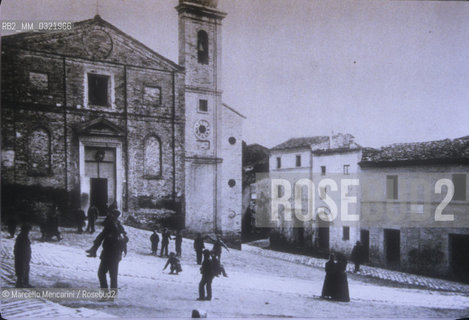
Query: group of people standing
[
  {"x": 49, "y": 224},
  {"x": 210, "y": 260},
  {"x": 166, "y": 236},
  {"x": 335, "y": 285},
  {"x": 91, "y": 216}
]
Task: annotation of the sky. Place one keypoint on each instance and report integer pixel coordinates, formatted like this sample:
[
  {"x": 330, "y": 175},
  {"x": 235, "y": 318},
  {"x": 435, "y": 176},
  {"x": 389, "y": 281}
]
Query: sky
[{"x": 384, "y": 71}]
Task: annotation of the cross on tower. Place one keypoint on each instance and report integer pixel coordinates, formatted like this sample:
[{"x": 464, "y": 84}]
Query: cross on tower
[{"x": 97, "y": 7}]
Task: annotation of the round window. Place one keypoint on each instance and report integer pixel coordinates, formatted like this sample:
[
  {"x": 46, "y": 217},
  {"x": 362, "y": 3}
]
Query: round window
[
  {"x": 231, "y": 183},
  {"x": 232, "y": 140}
]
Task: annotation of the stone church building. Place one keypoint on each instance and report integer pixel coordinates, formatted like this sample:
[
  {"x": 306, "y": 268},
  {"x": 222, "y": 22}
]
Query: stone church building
[{"x": 93, "y": 116}]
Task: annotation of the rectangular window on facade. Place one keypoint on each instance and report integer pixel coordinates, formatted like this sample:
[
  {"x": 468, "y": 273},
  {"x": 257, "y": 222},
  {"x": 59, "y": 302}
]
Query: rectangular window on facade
[
  {"x": 346, "y": 169},
  {"x": 298, "y": 161},
  {"x": 459, "y": 181},
  {"x": 346, "y": 233},
  {"x": 279, "y": 162},
  {"x": 152, "y": 96},
  {"x": 203, "y": 105},
  {"x": 39, "y": 81},
  {"x": 323, "y": 170},
  {"x": 98, "y": 89},
  {"x": 391, "y": 187}
]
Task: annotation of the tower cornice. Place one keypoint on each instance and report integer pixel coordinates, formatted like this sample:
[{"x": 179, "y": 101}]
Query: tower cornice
[{"x": 195, "y": 8}]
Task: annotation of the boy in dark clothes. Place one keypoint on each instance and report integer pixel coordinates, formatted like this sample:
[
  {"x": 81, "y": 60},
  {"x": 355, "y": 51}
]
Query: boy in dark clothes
[
  {"x": 199, "y": 247},
  {"x": 22, "y": 253},
  {"x": 154, "y": 239},
  {"x": 175, "y": 264}
]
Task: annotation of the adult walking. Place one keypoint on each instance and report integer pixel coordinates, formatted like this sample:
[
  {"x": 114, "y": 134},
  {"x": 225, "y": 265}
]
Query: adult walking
[
  {"x": 22, "y": 253},
  {"x": 205, "y": 284},
  {"x": 199, "y": 247},
  {"x": 328, "y": 286},
  {"x": 114, "y": 241},
  {"x": 357, "y": 256},
  {"x": 92, "y": 215}
]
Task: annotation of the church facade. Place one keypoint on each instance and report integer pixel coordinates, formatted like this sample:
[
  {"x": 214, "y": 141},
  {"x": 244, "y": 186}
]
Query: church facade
[{"x": 93, "y": 116}]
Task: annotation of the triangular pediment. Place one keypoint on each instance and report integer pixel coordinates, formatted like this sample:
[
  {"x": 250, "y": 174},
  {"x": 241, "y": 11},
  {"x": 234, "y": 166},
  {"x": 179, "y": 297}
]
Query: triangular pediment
[
  {"x": 99, "y": 127},
  {"x": 93, "y": 39}
]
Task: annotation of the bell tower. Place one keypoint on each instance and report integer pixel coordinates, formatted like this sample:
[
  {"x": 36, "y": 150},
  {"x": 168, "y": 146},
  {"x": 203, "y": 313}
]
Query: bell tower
[{"x": 200, "y": 55}]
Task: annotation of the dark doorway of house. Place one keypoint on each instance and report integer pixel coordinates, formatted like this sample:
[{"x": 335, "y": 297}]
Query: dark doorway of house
[
  {"x": 365, "y": 240},
  {"x": 459, "y": 256},
  {"x": 98, "y": 194},
  {"x": 323, "y": 238},
  {"x": 300, "y": 236},
  {"x": 392, "y": 247}
]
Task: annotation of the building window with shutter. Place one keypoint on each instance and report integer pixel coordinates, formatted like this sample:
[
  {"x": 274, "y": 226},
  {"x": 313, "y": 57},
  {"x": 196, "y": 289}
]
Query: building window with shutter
[
  {"x": 279, "y": 162},
  {"x": 298, "y": 160},
  {"x": 346, "y": 169},
  {"x": 391, "y": 187},
  {"x": 345, "y": 233},
  {"x": 459, "y": 181},
  {"x": 323, "y": 170}
]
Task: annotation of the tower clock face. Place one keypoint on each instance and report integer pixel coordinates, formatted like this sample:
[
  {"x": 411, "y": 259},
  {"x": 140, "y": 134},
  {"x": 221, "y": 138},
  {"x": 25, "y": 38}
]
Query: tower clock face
[{"x": 202, "y": 129}]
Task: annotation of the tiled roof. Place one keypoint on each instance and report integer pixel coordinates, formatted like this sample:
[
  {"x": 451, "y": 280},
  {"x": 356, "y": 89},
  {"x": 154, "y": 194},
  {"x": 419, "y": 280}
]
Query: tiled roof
[
  {"x": 303, "y": 142},
  {"x": 447, "y": 150}
]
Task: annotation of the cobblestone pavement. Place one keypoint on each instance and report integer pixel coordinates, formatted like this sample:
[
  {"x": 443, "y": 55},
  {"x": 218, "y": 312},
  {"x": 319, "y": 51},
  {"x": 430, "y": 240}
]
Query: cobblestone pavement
[{"x": 367, "y": 271}]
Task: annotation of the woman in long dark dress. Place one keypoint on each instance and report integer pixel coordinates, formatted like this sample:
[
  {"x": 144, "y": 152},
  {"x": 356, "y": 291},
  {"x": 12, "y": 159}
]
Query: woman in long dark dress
[
  {"x": 340, "y": 292},
  {"x": 328, "y": 286}
]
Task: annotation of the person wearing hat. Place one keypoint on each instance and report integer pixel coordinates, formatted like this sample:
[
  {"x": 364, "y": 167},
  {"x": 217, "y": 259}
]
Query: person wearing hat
[
  {"x": 207, "y": 271},
  {"x": 22, "y": 253},
  {"x": 114, "y": 241}
]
